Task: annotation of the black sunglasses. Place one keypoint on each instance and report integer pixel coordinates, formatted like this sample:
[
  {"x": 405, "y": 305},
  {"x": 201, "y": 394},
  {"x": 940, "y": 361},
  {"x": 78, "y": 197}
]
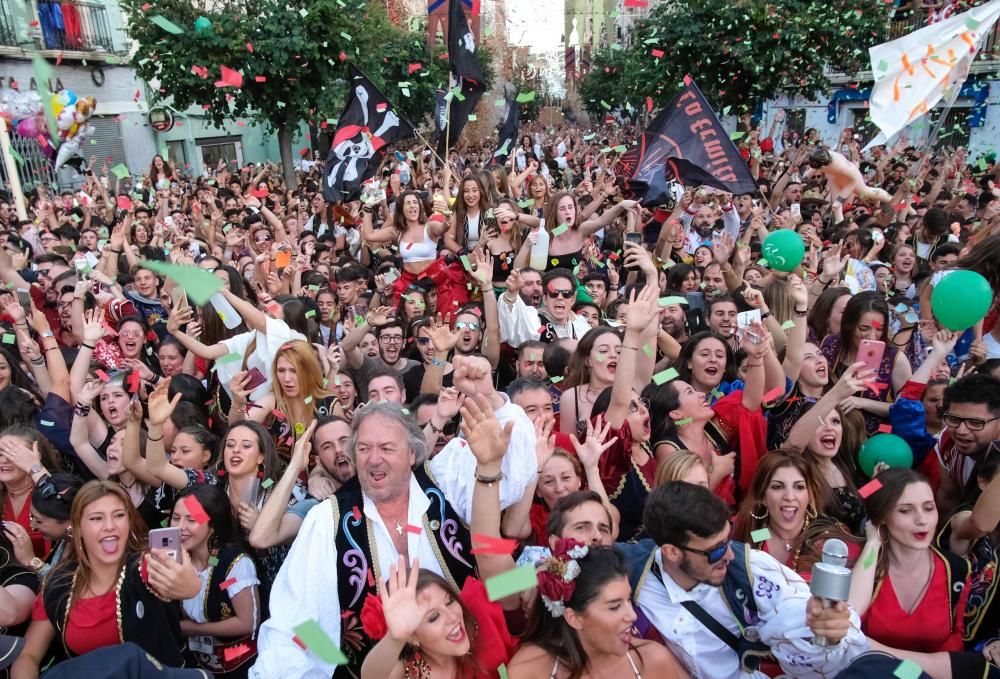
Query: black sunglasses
[
  {"x": 565, "y": 294},
  {"x": 713, "y": 555}
]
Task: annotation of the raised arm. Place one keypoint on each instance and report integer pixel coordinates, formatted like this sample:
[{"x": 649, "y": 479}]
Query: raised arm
[
  {"x": 275, "y": 525},
  {"x": 595, "y": 224},
  {"x": 850, "y": 383},
  {"x": 160, "y": 409},
  {"x": 483, "y": 276},
  {"x": 130, "y": 448},
  {"x": 640, "y": 308},
  {"x": 589, "y": 452},
  {"x": 79, "y": 433},
  {"x": 179, "y": 317}
]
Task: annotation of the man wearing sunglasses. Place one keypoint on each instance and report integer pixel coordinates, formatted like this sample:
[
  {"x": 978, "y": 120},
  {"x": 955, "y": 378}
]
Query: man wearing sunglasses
[
  {"x": 690, "y": 587},
  {"x": 971, "y": 416},
  {"x": 520, "y": 322}
]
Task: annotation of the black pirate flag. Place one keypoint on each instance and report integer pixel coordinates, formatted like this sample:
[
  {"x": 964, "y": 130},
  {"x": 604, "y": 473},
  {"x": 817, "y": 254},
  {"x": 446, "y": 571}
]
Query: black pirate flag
[
  {"x": 686, "y": 143},
  {"x": 367, "y": 125},
  {"x": 508, "y": 128},
  {"x": 467, "y": 79}
]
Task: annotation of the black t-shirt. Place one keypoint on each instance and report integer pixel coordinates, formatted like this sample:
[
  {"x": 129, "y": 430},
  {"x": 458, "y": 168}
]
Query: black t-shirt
[{"x": 13, "y": 573}]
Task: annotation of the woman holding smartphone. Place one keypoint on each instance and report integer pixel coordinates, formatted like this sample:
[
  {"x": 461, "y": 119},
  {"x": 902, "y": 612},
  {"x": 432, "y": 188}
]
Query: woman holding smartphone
[
  {"x": 107, "y": 589},
  {"x": 863, "y": 337}
]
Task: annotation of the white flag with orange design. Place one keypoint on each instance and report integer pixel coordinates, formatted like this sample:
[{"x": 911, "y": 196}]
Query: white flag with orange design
[{"x": 914, "y": 72}]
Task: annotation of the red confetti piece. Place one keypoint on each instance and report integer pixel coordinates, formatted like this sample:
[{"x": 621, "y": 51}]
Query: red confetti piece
[
  {"x": 657, "y": 53},
  {"x": 299, "y": 643},
  {"x": 649, "y": 104},
  {"x": 229, "y": 78},
  {"x": 260, "y": 79},
  {"x": 197, "y": 512},
  {"x": 688, "y": 81},
  {"x": 371, "y": 578},
  {"x": 774, "y": 393},
  {"x": 233, "y": 652},
  {"x": 102, "y": 376},
  {"x": 356, "y": 512},
  {"x": 250, "y": 47},
  {"x": 278, "y": 414},
  {"x": 133, "y": 382},
  {"x": 869, "y": 488},
  {"x": 416, "y": 530},
  {"x": 492, "y": 545},
  {"x": 885, "y": 429},
  {"x": 413, "y": 68},
  {"x": 227, "y": 584},
  {"x": 381, "y": 107}
]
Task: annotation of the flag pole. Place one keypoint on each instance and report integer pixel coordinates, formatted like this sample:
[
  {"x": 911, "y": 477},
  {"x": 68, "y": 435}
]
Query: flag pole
[
  {"x": 428, "y": 145},
  {"x": 12, "y": 173},
  {"x": 447, "y": 119}
]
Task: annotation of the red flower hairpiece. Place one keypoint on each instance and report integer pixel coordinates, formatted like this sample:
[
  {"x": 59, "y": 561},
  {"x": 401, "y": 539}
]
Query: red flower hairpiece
[
  {"x": 373, "y": 618},
  {"x": 556, "y": 578}
]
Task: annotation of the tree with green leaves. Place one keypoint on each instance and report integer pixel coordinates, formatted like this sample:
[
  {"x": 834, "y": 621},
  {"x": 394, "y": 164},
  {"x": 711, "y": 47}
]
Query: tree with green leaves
[
  {"x": 739, "y": 52},
  {"x": 290, "y": 56}
]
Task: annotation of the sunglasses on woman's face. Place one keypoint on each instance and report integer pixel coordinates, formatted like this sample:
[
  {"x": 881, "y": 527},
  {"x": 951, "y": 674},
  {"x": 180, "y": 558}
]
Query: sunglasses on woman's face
[{"x": 565, "y": 294}]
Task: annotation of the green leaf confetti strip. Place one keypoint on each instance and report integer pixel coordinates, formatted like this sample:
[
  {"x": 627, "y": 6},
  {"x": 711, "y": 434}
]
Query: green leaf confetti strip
[
  {"x": 673, "y": 299},
  {"x": 319, "y": 643},
  {"x": 561, "y": 229},
  {"x": 788, "y": 325},
  {"x": 681, "y": 423},
  {"x": 665, "y": 376},
  {"x": 511, "y": 582},
  {"x": 760, "y": 535}
]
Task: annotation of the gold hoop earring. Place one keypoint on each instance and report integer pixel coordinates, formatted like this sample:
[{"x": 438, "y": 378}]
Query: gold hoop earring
[
  {"x": 811, "y": 514},
  {"x": 755, "y": 516},
  {"x": 885, "y": 540}
]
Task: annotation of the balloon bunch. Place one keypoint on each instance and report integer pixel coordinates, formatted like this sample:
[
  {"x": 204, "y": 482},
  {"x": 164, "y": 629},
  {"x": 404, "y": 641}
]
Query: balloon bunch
[{"x": 25, "y": 113}]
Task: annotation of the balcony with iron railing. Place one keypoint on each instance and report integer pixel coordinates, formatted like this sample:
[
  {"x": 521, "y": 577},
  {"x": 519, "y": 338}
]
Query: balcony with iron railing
[{"x": 75, "y": 26}]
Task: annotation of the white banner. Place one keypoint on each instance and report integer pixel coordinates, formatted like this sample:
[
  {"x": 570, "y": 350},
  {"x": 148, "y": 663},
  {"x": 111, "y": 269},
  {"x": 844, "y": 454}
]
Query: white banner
[{"x": 914, "y": 72}]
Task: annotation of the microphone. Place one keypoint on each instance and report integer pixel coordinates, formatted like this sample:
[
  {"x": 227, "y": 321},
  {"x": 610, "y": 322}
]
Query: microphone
[{"x": 831, "y": 579}]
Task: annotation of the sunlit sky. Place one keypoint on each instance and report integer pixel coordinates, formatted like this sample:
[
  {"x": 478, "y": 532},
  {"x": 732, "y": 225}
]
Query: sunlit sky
[{"x": 535, "y": 23}]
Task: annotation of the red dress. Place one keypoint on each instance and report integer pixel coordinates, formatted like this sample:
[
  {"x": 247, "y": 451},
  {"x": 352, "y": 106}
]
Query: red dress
[
  {"x": 92, "y": 624},
  {"x": 746, "y": 433},
  {"x": 929, "y": 628},
  {"x": 39, "y": 544},
  {"x": 494, "y": 645}
]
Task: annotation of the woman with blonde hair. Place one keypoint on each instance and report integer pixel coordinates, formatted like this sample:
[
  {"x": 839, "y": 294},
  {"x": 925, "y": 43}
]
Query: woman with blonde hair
[
  {"x": 106, "y": 590},
  {"x": 299, "y": 396},
  {"x": 681, "y": 466},
  {"x": 472, "y": 215}
]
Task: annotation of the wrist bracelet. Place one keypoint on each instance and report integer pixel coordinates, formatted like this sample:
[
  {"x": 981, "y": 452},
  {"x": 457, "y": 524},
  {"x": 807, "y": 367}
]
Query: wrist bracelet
[
  {"x": 38, "y": 362},
  {"x": 88, "y": 346},
  {"x": 434, "y": 361},
  {"x": 81, "y": 410},
  {"x": 624, "y": 346},
  {"x": 764, "y": 316},
  {"x": 489, "y": 480},
  {"x": 434, "y": 429},
  {"x": 150, "y": 438}
]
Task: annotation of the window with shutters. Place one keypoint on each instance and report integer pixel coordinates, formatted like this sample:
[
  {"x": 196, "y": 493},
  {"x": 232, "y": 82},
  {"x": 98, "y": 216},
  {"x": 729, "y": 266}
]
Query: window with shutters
[{"x": 106, "y": 143}]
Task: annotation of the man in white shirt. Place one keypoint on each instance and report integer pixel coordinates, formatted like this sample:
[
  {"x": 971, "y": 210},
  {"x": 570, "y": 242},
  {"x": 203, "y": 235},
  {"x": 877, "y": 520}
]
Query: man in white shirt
[
  {"x": 403, "y": 505},
  {"x": 698, "y": 574},
  {"x": 699, "y": 224},
  {"x": 520, "y": 322}
]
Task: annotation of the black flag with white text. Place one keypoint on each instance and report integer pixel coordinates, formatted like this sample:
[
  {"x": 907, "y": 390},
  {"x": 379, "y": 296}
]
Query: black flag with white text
[
  {"x": 507, "y": 141},
  {"x": 686, "y": 143}
]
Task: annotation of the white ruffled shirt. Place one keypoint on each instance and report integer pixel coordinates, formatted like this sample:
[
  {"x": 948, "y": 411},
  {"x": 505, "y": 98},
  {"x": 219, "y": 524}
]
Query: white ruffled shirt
[
  {"x": 306, "y": 586},
  {"x": 781, "y": 597}
]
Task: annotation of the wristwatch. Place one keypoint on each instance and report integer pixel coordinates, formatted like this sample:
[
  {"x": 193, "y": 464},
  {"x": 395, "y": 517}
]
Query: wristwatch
[
  {"x": 36, "y": 564},
  {"x": 35, "y": 468}
]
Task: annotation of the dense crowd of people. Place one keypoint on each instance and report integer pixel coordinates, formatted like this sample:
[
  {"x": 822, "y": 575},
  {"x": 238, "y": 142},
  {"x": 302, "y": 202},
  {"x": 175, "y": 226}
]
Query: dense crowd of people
[{"x": 408, "y": 429}]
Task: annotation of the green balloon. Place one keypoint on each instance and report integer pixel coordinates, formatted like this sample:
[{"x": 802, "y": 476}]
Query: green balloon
[
  {"x": 887, "y": 448},
  {"x": 784, "y": 250},
  {"x": 961, "y": 299},
  {"x": 202, "y": 24}
]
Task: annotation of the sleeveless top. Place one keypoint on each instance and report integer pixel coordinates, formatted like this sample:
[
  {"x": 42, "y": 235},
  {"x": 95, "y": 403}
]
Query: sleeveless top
[
  {"x": 422, "y": 251},
  {"x": 359, "y": 565},
  {"x": 555, "y": 667}
]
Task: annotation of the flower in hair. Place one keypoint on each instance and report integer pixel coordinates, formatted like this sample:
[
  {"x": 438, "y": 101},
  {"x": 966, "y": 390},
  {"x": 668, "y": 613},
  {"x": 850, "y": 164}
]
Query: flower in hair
[
  {"x": 373, "y": 618},
  {"x": 556, "y": 579}
]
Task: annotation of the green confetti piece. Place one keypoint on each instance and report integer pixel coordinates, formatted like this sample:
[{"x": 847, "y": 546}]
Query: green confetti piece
[
  {"x": 908, "y": 669},
  {"x": 199, "y": 284},
  {"x": 621, "y": 148},
  {"x": 673, "y": 299},
  {"x": 17, "y": 156},
  {"x": 472, "y": 118},
  {"x": 313, "y": 288},
  {"x": 230, "y": 358},
  {"x": 527, "y": 202},
  {"x": 213, "y": 561},
  {"x": 47, "y": 423},
  {"x": 869, "y": 560},
  {"x": 588, "y": 137},
  {"x": 487, "y": 32},
  {"x": 167, "y": 25},
  {"x": 163, "y": 524},
  {"x": 307, "y": 400},
  {"x": 319, "y": 643},
  {"x": 502, "y": 671},
  {"x": 303, "y": 13},
  {"x": 266, "y": 483},
  {"x": 405, "y": 411},
  {"x": 737, "y": 135},
  {"x": 556, "y": 379},
  {"x": 120, "y": 171},
  {"x": 561, "y": 229},
  {"x": 883, "y": 65},
  {"x": 311, "y": 313},
  {"x": 762, "y": 262},
  {"x": 665, "y": 376},
  {"x": 681, "y": 423},
  {"x": 466, "y": 263},
  {"x": 760, "y": 535},
  {"x": 9, "y": 338},
  {"x": 648, "y": 350},
  {"x": 606, "y": 105},
  {"x": 788, "y": 325},
  {"x": 511, "y": 582},
  {"x": 525, "y": 97}
]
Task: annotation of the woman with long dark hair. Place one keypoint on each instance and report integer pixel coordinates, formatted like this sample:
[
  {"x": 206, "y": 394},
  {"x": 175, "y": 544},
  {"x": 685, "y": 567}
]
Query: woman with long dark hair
[
  {"x": 221, "y": 620},
  {"x": 581, "y": 626}
]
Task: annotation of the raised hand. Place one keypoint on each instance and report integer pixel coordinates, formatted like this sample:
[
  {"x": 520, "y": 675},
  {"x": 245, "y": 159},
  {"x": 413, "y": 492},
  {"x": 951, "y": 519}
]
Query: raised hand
[
  {"x": 594, "y": 444},
  {"x": 473, "y": 375},
  {"x": 160, "y": 405},
  {"x": 303, "y": 446},
  {"x": 482, "y": 431},
  {"x": 177, "y": 318},
  {"x": 853, "y": 380},
  {"x": 403, "y": 612},
  {"x": 89, "y": 391},
  {"x": 449, "y": 403},
  {"x": 379, "y": 316},
  {"x": 641, "y": 308},
  {"x": 835, "y": 262},
  {"x": 442, "y": 336},
  {"x": 545, "y": 440}
]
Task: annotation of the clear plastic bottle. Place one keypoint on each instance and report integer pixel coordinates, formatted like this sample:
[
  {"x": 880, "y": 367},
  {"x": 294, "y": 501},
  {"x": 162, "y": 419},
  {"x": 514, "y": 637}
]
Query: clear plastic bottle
[{"x": 540, "y": 250}]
